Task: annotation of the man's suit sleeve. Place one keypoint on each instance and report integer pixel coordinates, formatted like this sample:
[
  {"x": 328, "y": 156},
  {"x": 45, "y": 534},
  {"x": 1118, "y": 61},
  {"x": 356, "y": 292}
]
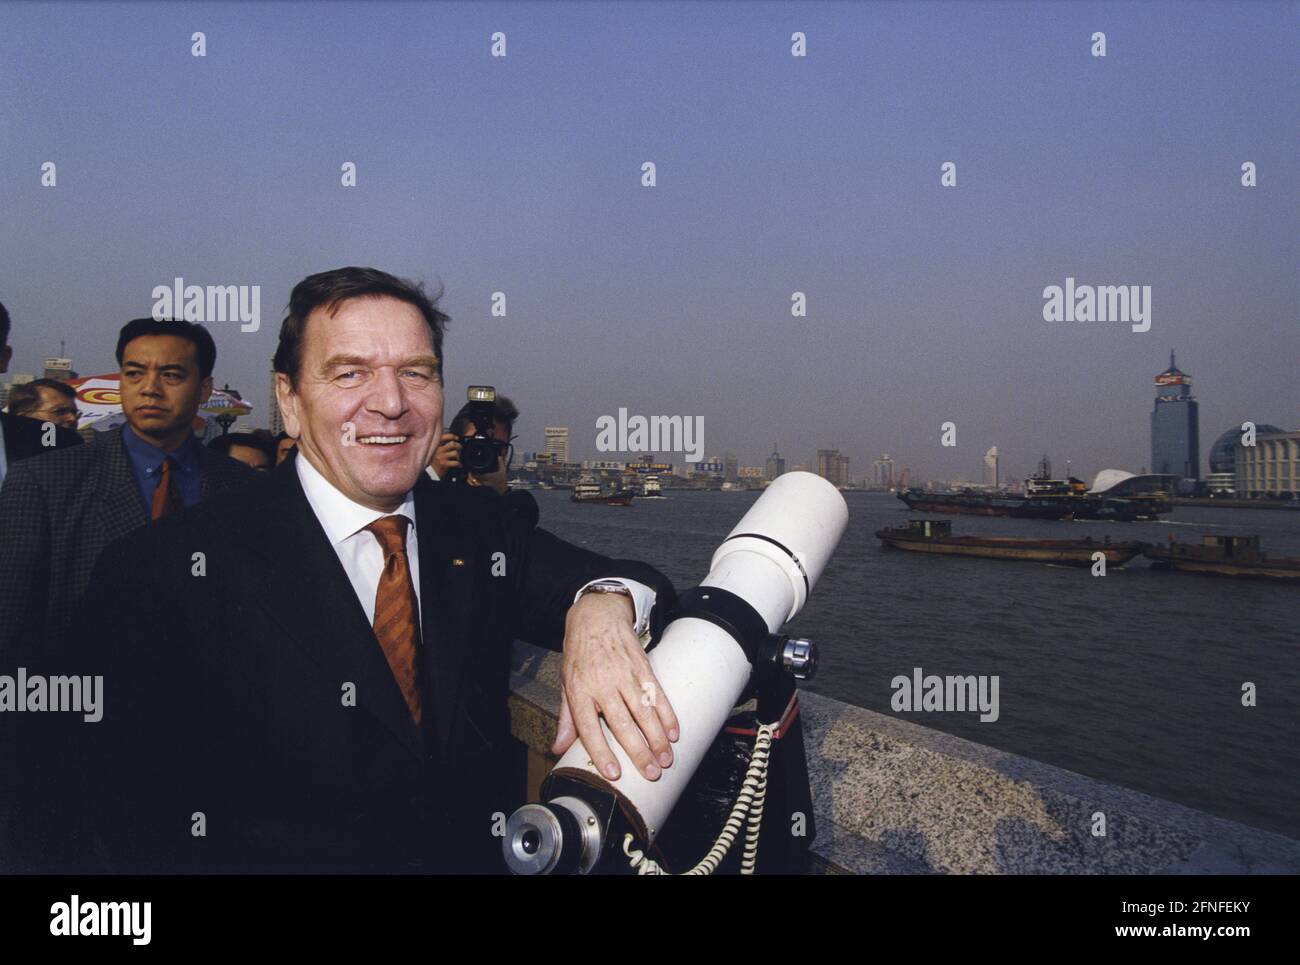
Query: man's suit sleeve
[
  {"x": 553, "y": 570},
  {"x": 24, "y": 565},
  {"x": 127, "y": 764},
  {"x": 23, "y": 543}
]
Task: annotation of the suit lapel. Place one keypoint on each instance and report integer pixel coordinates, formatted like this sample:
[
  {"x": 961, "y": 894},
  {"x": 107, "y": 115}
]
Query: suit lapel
[
  {"x": 121, "y": 510},
  {"x": 207, "y": 468},
  {"x": 447, "y": 599},
  {"x": 306, "y": 590}
]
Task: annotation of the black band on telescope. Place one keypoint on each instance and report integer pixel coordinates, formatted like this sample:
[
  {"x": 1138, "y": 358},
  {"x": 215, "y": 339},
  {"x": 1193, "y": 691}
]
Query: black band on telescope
[
  {"x": 794, "y": 557},
  {"x": 728, "y": 611}
]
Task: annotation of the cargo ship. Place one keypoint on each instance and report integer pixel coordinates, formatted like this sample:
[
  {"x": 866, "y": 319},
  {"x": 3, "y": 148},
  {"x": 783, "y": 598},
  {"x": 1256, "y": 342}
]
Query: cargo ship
[
  {"x": 935, "y": 536},
  {"x": 1115, "y": 496},
  {"x": 1222, "y": 556},
  {"x": 969, "y": 502},
  {"x": 588, "y": 491}
]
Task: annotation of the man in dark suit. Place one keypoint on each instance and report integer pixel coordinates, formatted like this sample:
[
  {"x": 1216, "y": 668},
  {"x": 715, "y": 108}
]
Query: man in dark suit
[
  {"x": 21, "y": 438},
  {"x": 318, "y": 680},
  {"x": 57, "y": 513}
]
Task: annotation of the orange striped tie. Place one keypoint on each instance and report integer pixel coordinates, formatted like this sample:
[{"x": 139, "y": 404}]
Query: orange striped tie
[
  {"x": 166, "y": 497},
  {"x": 396, "y": 624}
]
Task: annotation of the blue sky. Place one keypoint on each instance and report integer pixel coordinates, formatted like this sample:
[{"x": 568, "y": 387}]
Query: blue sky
[{"x": 775, "y": 174}]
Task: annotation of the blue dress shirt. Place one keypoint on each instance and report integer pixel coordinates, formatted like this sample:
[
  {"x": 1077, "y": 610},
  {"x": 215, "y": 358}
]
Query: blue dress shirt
[{"x": 147, "y": 459}]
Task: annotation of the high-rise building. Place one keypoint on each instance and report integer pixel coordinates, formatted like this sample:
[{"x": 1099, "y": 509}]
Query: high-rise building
[
  {"x": 833, "y": 467},
  {"x": 991, "y": 468},
  {"x": 882, "y": 472},
  {"x": 59, "y": 369},
  {"x": 827, "y": 459},
  {"x": 277, "y": 420},
  {"x": 556, "y": 443},
  {"x": 1175, "y": 425},
  {"x": 775, "y": 464},
  {"x": 730, "y": 466}
]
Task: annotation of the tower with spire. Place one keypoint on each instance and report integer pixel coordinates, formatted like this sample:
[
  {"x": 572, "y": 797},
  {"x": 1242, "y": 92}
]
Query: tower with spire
[
  {"x": 775, "y": 464},
  {"x": 1175, "y": 425}
]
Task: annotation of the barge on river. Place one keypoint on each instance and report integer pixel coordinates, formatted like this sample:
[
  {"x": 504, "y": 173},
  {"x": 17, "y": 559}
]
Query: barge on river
[
  {"x": 1222, "y": 556},
  {"x": 935, "y": 536}
]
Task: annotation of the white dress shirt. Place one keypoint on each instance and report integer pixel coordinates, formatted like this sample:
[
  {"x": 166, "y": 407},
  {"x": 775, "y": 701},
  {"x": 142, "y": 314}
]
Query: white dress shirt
[
  {"x": 345, "y": 522},
  {"x": 358, "y": 549}
]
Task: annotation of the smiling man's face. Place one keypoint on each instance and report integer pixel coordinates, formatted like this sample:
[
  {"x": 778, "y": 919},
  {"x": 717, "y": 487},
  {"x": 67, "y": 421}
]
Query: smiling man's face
[{"x": 367, "y": 409}]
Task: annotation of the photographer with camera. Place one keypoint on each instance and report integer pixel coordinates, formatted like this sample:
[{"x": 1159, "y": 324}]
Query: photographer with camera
[{"x": 477, "y": 450}]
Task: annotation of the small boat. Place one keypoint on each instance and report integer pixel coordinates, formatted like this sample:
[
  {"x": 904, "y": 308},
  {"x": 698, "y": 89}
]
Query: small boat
[
  {"x": 588, "y": 491},
  {"x": 935, "y": 536},
  {"x": 650, "y": 488},
  {"x": 1222, "y": 556}
]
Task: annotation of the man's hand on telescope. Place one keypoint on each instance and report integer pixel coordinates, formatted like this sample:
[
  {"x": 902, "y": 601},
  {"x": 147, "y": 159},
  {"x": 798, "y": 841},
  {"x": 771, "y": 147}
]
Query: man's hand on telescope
[{"x": 606, "y": 673}]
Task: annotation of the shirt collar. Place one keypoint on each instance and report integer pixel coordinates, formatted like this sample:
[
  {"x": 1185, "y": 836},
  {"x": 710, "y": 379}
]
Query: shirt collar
[
  {"x": 340, "y": 516},
  {"x": 145, "y": 454}
]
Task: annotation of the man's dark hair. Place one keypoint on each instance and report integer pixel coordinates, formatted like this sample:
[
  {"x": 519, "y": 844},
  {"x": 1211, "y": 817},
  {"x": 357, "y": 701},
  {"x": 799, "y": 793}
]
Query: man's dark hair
[
  {"x": 503, "y": 410},
  {"x": 23, "y": 398},
  {"x": 281, "y": 436},
  {"x": 330, "y": 289},
  {"x": 259, "y": 439},
  {"x": 4, "y": 325},
  {"x": 205, "y": 348}
]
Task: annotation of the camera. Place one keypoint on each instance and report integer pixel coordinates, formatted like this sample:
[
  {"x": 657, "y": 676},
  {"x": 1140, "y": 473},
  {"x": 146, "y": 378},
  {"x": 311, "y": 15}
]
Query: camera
[{"x": 479, "y": 451}]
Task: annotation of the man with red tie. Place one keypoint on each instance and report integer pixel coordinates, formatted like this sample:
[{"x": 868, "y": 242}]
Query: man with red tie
[
  {"x": 57, "y": 514},
  {"x": 330, "y": 693}
]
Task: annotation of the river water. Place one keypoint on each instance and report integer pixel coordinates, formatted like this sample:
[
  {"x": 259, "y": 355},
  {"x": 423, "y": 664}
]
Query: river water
[{"x": 1134, "y": 678}]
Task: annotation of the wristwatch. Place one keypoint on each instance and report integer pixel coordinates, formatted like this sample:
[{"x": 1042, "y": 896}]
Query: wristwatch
[
  {"x": 642, "y": 627},
  {"x": 606, "y": 588}
]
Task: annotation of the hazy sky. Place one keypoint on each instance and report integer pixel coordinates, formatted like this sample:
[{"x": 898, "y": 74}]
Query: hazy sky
[{"x": 775, "y": 174}]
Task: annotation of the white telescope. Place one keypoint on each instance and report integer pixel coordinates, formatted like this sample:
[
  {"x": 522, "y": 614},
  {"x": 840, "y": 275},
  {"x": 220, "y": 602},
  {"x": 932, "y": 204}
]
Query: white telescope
[{"x": 721, "y": 632}]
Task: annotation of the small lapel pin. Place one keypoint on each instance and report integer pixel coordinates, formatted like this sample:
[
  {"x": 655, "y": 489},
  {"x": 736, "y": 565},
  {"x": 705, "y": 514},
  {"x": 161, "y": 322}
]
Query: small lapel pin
[{"x": 457, "y": 562}]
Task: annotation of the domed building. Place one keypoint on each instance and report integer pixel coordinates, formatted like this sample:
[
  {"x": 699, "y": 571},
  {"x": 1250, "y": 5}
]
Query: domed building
[{"x": 1223, "y": 457}]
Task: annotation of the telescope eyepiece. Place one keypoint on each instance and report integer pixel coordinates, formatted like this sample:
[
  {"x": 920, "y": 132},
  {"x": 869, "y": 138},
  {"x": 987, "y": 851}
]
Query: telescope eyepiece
[
  {"x": 562, "y": 837},
  {"x": 800, "y": 658}
]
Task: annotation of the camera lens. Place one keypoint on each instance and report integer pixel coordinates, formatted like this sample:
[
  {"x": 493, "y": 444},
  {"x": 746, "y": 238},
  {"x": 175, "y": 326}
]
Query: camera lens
[{"x": 478, "y": 455}]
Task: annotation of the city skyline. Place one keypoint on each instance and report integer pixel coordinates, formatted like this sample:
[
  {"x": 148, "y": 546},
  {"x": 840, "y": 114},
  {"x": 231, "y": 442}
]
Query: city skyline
[
  {"x": 776, "y": 175},
  {"x": 866, "y": 476}
]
